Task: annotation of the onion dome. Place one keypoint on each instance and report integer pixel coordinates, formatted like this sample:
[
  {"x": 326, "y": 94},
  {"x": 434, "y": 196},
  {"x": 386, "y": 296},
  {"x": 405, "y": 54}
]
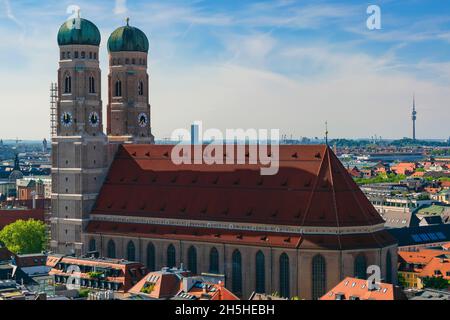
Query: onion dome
[
  {"x": 78, "y": 31},
  {"x": 128, "y": 38}
]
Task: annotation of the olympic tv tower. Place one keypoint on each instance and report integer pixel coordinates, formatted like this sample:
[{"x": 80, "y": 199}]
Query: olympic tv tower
[{"x": 414, "y": 117}]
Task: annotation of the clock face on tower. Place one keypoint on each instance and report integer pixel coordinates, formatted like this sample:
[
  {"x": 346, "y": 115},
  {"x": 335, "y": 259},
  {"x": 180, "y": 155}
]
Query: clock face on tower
[
  {"x": 94, "y": 119},
  {"x": 142, "y": 120},
  {"x": 66, "y": 119}
]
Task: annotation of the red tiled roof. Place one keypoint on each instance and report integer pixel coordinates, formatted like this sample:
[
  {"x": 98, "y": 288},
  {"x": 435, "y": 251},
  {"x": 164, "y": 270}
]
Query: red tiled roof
[
  {"x": 166, "y": 286},
  {"x": 332, "y": 242},
  {"x": 11, "y": 216},
  {"x": 312, "y": 188},
  {"x": 437, "y": 267},
  {"x": 421, "y": 257},
  {"x": 197, "y": 234},
  {"x": 352, "y": 287}
]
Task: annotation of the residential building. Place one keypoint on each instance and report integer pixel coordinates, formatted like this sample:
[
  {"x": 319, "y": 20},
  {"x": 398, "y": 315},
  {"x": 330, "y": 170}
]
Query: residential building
[
  {"x": 405, "y": 168},
  {"x": 412, "y": 263},
  {"x": 359, "y": 289},
  {"x": 97, "y": 273},
  {"x": 178, "y": 284}
]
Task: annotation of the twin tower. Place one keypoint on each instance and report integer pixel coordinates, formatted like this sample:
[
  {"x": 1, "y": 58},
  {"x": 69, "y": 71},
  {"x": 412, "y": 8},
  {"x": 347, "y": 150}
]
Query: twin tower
[{"x": 81, "y": 150}]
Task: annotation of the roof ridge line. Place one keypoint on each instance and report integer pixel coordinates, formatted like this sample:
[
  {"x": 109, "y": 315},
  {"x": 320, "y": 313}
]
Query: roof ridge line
[
  {"x": 333, "y": 192},
  {"x": 308, "y": 207}
]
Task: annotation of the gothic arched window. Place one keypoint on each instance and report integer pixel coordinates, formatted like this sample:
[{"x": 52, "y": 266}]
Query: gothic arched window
[
  {"x": 111, "y": 249},
  {"x": 151, "y": 257},
  {"x": 92, "y": 245},
  {"x": 388, "y": 267},
  {"x": 131, "y": 251},
  {"x": 171, "y": 259},
  {"x": 118, "y": 89},
  {"x": 260, "y": 273},
  {"x": 236, "y": 272},
  {"x": 214, "y": 261},
  {"x": 141, "y": 88},
  {"x": 192, "y": 259},
  {"x": 91, "y": 84},
  {"x": 284, "y": 275},
  {"x": 360, "y": 267},
  {"x": 68, "y": 84},
  {"x": 319, "y": 280}
]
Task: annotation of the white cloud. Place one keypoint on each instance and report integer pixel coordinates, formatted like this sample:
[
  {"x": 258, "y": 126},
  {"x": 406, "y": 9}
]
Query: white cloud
[
  {"x": 259, "y": 80},
  {"x": 10, "y": 14},
  {"x": 360, "y": 100},
  {"x": 121, "y": 7}
]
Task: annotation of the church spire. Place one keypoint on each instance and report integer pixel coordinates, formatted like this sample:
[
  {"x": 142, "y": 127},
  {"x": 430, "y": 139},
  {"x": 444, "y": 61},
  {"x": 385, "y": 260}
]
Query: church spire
[{"x": 16, "y": 162}]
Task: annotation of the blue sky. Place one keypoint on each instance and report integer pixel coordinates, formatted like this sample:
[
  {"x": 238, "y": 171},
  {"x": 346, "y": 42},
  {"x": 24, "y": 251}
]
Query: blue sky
[{"x": 281, "y": 64}]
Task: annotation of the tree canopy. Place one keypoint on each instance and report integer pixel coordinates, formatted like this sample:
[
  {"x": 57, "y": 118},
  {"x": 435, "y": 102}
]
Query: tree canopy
[{"x": 24, "y": 236}]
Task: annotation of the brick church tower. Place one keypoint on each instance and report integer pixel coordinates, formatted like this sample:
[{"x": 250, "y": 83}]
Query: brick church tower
[
  {"x": 79, "y": 160},
  {"x": 128, "y": 81}
]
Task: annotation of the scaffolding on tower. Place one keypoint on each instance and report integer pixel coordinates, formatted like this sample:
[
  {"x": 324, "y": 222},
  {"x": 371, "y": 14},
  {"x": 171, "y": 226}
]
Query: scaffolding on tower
[{"x": 53, "y": 101}]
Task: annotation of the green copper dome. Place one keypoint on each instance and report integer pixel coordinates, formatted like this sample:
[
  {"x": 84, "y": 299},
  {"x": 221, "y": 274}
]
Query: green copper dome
[
  {"x": 86, "y": 33},
  {"x": 128, "y": 38}
]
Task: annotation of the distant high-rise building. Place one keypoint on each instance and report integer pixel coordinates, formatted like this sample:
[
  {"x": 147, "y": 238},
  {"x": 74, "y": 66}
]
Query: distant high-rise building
[
  {"x": 44, "y": 145},
  {"x": 195, "y": 134},
  {"x": 414, "y": 117}
]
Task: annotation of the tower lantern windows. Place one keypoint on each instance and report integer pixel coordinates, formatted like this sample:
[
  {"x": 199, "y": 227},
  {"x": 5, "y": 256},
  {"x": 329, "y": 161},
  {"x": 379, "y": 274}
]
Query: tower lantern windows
[
  {"x": 95, "y": 55},
  {"x": 118, "y": 89},
  {"x": 91, "y": 84},
  {"x": 68, "y": 84},
  {"x": 141, "y": 88},
  {"x": 83, "y": 55},
  {"x": 133, "y": 61},
  {"x": 75, "y": 55},
  {"x": 68, "y": 55},
  {"x": 127, "y": 61},
  {"x": 63, "y": 55},
  {"x": 90, "y": 55}
]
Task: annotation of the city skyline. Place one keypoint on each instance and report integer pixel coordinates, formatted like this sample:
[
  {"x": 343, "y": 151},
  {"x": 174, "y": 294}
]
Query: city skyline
[{"x": 235, "y": 65}]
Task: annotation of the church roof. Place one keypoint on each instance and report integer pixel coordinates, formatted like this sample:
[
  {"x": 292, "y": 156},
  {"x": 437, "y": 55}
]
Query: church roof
[
  {"x": 312, "y": 188},
  {"x": 373, "y": 240}
]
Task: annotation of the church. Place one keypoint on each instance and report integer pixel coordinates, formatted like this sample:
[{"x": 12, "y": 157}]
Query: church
[{"x": 297, "y": 233}]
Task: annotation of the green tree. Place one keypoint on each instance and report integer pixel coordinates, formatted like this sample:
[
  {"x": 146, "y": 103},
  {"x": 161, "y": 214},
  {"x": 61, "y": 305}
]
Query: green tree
[
  {"x": 22, "y": 236},
  {"x": 435, "y": 282}
]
